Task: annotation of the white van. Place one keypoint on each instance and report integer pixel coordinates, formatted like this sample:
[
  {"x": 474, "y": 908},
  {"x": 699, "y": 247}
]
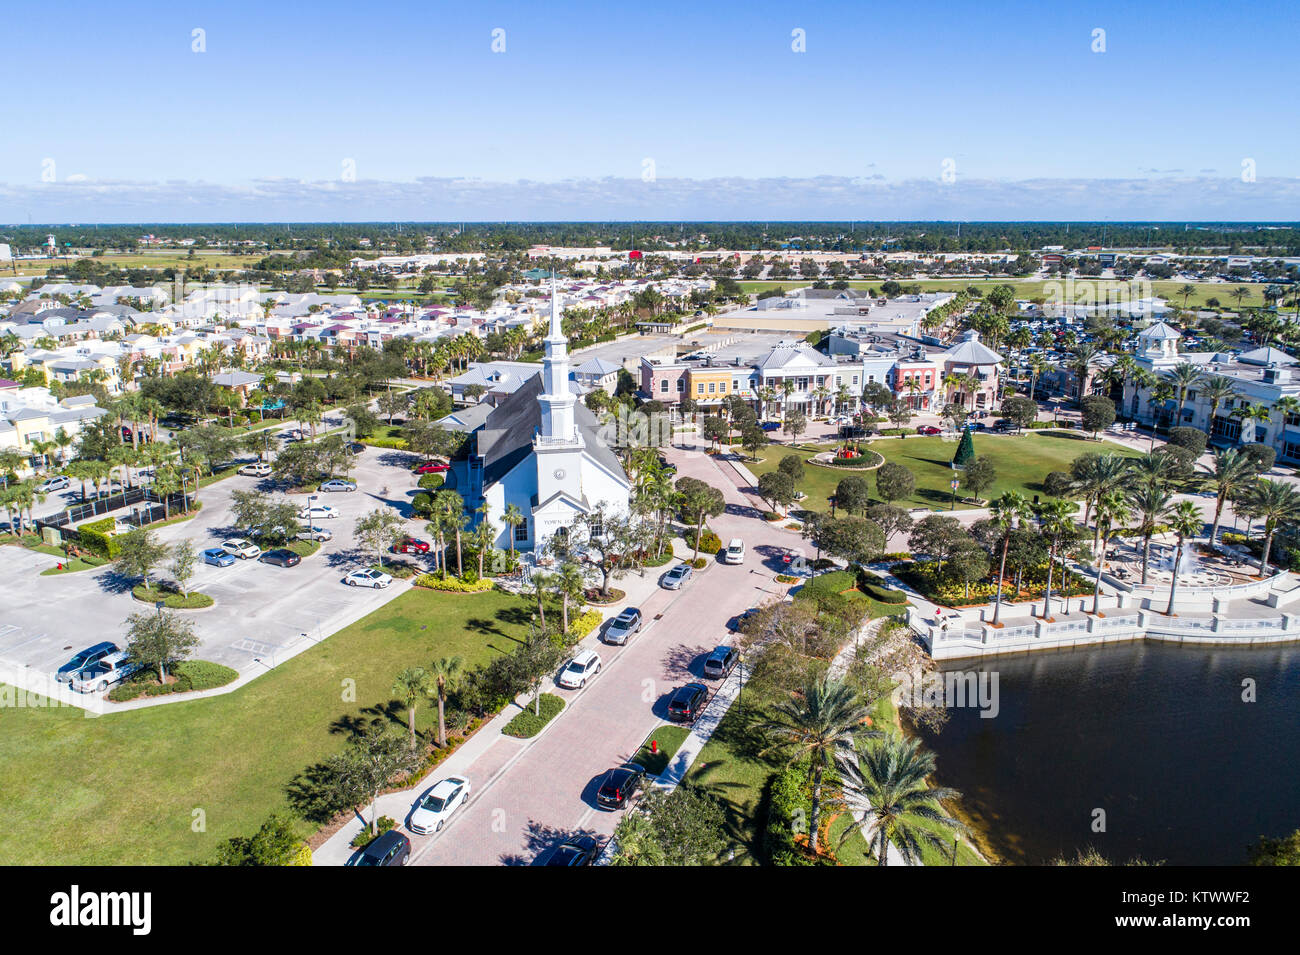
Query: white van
[{"x": 735, "y": 552}]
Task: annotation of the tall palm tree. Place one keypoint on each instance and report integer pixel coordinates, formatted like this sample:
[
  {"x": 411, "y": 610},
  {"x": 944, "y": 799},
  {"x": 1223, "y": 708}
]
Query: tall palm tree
[
  {"x": 1276, "y": 503},
  {"x": 570, "y": 581},
  {"x": 1150, "y": 499},
  {"x": 1183, "y": 376},
  {"x": 1184, "y": 519},
  {"x": 1056, "y": 524},
  {"x": 1232, "y": 472},
  {"x": 411, "y": 685},
  {"x": 1112, "y": 508},
  {"x": 1186, "y": 292},
  {"x": 1217, "y": 390},
  {"x": 820, "y": 723},
  {"x": 513, "y": 517},
  {"x": 1101, "y": 475},
  {"x": 445, "y": 673},
  {"x": 1085, "y": 356},
  {"x": 1007, "y": 513},
  {"x": 1285, "y": 407},
  {"x": 887, "y": 784},
  {"x": 1253, "y": 413}
]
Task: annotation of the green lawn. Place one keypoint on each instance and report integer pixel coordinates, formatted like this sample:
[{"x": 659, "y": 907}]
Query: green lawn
[
  {"x": 670, "y": 738},
  {"x": 1021, "y": 461},
  {"x": 1034, "y": 288},
  {"x": 123, "y": 788}
]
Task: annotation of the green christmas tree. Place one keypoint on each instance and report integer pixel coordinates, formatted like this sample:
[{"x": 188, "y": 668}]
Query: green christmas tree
[{"x": 965, "y": 450}]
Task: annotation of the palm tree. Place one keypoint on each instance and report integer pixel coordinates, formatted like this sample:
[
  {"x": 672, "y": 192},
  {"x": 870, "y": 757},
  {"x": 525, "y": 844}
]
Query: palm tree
[
  {"x": 1186, "y": 292},
  {"x": 1185, "y": 521},
  {"x": 410, "y": 686},
  {"x": 1007, "y": 512},
  {"x": 543, "y": 583},
  {"x": 887, "y": 784},
  {"x": 1217, "y": 390},
  {"x": 446, "y": 673},
  {"x": 1101, "y": 475},
  {"x": 1112, "y": 508},
  {"x": 1183, "y": 376},
  {"x": 570, "y": 581},
  {"x": 449, "y": 509},
  {"x": 513, "y": 517},
  {"x": 1231, "y": 472},
  {"x": 1056, "y": 523},
  {"x": 1285, "y": 407},
  {"x": 1277, "y": 503},
  {"x": 820, "y": 723},
  {"x": 1084, "y": 358},
  {"x": 1150, "y": 499}
]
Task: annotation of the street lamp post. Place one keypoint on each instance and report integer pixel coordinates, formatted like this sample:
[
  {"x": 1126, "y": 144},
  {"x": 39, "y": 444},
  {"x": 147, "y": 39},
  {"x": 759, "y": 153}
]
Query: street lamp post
[{"x": 953, "y": 484}]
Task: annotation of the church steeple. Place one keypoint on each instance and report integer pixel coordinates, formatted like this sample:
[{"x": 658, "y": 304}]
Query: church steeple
[{"x": 557, "y": 398}]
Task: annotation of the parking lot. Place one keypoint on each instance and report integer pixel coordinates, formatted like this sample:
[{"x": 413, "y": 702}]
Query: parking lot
[{"x": 262, "y": 613}]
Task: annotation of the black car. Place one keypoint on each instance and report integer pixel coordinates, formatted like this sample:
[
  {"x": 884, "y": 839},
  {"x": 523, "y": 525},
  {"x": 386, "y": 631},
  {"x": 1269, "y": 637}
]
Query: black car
[
  {"x": 720, "y": 662},
  {"x": 84, "y": 659},
  {"x": 281, "y": 558},
  {"x": 620, "y": 785},
  {"x": 580, "y": 850},
  {"x": 687, "y": 702},
  {"x": 1003, "y": 424},
  {"x": 391, "y": 848}
]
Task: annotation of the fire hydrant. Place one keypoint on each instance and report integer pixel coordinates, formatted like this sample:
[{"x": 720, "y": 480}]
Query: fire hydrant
[{"x": 654, "y": 747}]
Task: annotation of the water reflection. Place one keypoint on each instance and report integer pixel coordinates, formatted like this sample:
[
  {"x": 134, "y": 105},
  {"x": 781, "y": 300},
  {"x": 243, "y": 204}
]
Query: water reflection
[{"x": 1158, "y": 737}]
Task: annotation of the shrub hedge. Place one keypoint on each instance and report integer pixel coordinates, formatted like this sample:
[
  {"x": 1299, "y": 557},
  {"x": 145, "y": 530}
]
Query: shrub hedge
[
  {"x": 454, "y": 584},
  {"x": 583, "y": 624},
  {"x": 789, "y": 809},
  {"x": 431, "y": 481},
  {"x": 95, "y": 537},
  {"x": 526, "y": 725}
]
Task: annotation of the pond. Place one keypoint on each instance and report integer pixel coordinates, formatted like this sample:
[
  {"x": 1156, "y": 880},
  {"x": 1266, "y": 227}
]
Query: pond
[{"x": 1157, "y": 737}]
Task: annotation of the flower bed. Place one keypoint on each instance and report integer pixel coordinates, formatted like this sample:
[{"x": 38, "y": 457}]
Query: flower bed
[
  {"x": 454, "y": 585},
  {"x": 922, "y": 577}
]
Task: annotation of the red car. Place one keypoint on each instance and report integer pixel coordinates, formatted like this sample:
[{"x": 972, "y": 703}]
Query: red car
[
  {"x": 411, "y": 545},
  {"x": 928, "y": 429},
  {"x": 429, "y": 467}
]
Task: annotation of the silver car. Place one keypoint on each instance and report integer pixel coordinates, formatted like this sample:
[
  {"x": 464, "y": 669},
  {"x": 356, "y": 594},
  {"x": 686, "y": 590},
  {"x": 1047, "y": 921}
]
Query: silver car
[
  {"x": 623, "y": 626},
  {"x": 674, "y": 579}
]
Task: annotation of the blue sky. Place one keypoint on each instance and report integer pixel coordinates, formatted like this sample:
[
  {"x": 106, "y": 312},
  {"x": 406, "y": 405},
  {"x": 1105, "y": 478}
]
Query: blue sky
[{"x": 413, "y": 94}]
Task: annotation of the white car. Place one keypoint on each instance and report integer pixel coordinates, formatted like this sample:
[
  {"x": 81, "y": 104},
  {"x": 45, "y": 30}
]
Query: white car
[
  {"x": 59, "y": 483},
  {"x": 315, "y": 534},
  {"x": 735, "y": 552},
  {"x": 317, "y": 511},
  {"x": 242, "y": 548},
  {"x": 337, "y": 485},
  {"x": 260, "y": 469},
  {"x": 368, "y": 578},
  {"x": 579, "y": 670},
  {"x": 102, "y": 674},
  {"x": 435, "y": 807}
]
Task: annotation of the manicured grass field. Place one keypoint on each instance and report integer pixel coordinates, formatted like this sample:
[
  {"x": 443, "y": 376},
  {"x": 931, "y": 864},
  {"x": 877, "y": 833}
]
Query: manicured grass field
[
  {"x": 1021, "y": 461},
  {"x": 1034, "y": 288},
  {"x": 124, "y": 788}
]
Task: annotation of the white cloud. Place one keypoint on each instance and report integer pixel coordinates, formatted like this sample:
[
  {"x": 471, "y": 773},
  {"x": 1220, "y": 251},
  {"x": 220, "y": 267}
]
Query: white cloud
[{"x": 1166, "y": 197}]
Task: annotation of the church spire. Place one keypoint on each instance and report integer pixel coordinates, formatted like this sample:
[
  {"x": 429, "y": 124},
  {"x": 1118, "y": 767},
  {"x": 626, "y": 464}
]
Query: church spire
[{"x": 556, "y": 331}]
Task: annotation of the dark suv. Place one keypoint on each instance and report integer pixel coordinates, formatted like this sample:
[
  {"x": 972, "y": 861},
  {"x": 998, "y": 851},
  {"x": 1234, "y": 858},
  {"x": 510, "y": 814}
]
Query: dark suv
[
  {"x": 84, "y": 659},
  {"x": 620, "y": 785},
  {"x": 687, "y": 702},
  {"x": 720, "y": 663},
  {"x": 391, "y": 848}
]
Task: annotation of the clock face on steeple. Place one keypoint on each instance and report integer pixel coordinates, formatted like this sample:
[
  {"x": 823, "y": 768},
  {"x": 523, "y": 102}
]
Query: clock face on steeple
[{"x": 559, "y": 474}]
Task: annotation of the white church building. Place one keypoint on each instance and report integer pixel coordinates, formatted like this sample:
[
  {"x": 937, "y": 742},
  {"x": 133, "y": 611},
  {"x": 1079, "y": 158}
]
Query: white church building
[{"x": 540, "y": 450}]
